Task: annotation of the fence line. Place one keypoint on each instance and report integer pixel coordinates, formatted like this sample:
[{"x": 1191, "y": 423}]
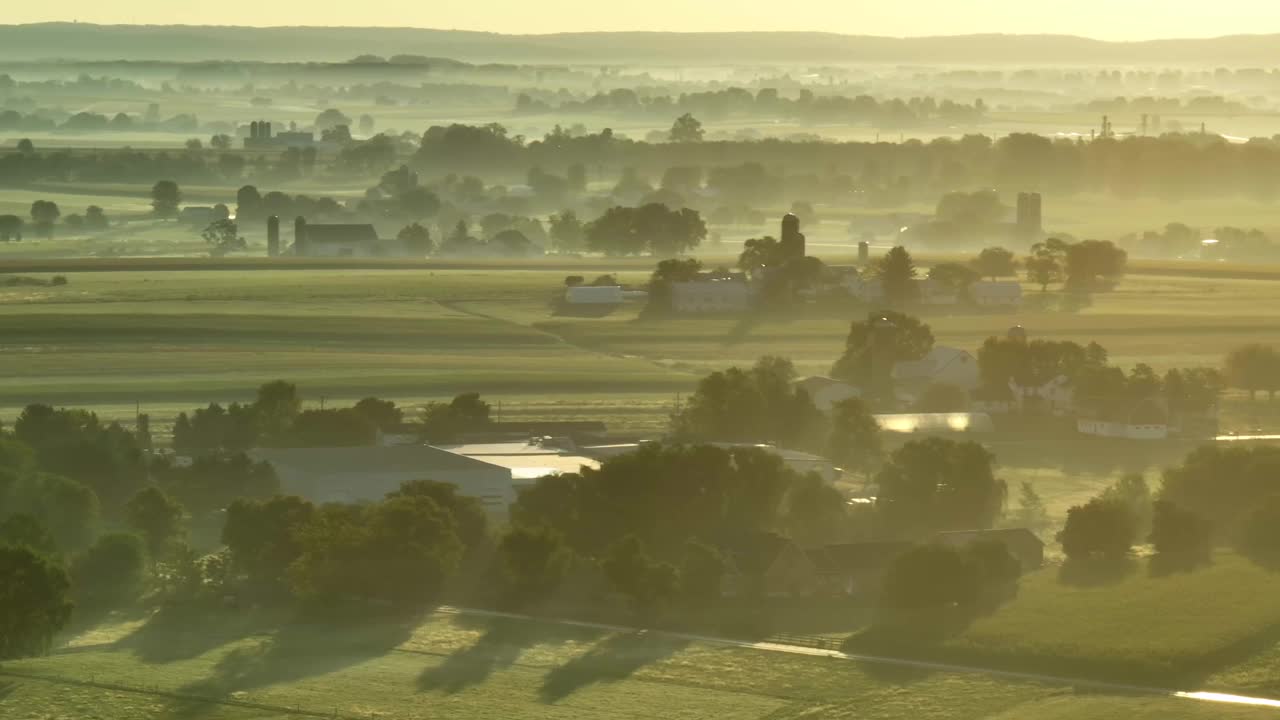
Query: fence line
[
  {"x": 821, "y": 642},
  {"x": 156, "y": 691}
]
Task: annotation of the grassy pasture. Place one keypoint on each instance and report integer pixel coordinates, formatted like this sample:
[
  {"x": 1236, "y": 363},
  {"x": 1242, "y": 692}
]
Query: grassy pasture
[
  {"x": 172, "y": 340},
  {"x": 1134, "y": 625},
  {"x": 228, "y": 668}
]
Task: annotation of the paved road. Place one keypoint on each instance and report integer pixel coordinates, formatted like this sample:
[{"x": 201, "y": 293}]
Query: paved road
[{"x": 1200, "y": 696}]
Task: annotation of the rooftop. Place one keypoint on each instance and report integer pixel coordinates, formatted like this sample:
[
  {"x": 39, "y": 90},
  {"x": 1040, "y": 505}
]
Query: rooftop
[{"x": 372, "y": 459}]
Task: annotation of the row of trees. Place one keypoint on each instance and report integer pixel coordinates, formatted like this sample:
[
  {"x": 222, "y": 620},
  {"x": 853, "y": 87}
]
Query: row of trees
[
  {"x": 398, "y": 551},
  {"x": 806, "y": 106},
  {"x": 44, "y": 217},
  {"x": 1217, "y": 496},
  {"x": 1168, "y": 166},
  {"x": 52, "y": 557}
]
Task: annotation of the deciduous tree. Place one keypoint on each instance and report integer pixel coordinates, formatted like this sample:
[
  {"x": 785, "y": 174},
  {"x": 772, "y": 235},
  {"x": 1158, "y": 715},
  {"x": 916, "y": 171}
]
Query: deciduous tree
[
  {"x": 111, "y": 571},
  {"x": 686, "y": 129},
  {"x": 534, "y": 563},
  {"x": 159, "y": 518},
  {"x": 1099, "y": 529},
  {"x": 165, "y": 198},
  {"x": 940, "y": 484},
  {"x": 34, "y": 602},
  {"x": 995, "y": 262}
]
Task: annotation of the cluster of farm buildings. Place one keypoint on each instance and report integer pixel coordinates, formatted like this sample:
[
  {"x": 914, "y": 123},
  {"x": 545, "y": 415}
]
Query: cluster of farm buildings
[
  {"x": 494, "y": 466},
  {"x": 723, "y": 292}
]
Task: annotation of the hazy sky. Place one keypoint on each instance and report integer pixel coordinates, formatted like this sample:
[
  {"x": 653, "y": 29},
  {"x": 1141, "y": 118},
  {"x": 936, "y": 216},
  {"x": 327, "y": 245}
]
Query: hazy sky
[{"x": 1106, "y": 19}]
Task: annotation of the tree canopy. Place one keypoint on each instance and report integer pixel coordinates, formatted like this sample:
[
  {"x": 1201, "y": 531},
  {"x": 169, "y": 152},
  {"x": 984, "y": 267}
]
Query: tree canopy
[
  {"x": 940, "y": 484},
  {"x": 34, "y": 601}
]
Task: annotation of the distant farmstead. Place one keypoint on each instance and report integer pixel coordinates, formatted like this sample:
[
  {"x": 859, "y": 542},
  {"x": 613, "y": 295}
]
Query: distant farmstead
[
  {"x": 261, "y": 137},
  {"x": 343, "y": 240}
]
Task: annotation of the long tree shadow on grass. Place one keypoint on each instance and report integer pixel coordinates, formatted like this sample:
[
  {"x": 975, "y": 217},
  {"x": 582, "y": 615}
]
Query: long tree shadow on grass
[
  {"x": 614, "y": 659},
  {"x": 179, "y": 633},
  {"x": 500, "y": 646},
  {"x": 1201, "y": 668},
  {"x": 295, "y": 652},
  {"x": 899, "y": 637}
]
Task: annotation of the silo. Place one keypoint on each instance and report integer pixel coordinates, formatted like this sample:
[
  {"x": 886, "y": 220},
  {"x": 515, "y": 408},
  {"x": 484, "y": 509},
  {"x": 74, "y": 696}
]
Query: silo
[
  {"x": 273, "y": 236},
  {"x": 300, "y": 236}
]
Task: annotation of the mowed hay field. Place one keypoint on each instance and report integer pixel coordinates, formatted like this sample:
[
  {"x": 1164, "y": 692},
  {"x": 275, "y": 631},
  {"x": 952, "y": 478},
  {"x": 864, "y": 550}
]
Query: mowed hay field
[
  {"x": 1131, "y": 624},
  {"x": 173, "y": 340},
  {"x": 231, "y": 667}
]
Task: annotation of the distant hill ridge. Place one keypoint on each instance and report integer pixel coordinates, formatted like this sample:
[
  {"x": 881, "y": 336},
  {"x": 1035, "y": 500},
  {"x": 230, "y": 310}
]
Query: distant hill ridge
[{"x": 84, "y": 41}]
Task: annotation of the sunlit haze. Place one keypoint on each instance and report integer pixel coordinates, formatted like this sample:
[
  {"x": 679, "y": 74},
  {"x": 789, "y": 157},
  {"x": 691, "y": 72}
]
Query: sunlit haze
[{"x": 1129, "y": 20}]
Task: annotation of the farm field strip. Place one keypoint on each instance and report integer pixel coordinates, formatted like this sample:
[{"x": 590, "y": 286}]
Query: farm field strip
[{"x": 512, "y": 668}]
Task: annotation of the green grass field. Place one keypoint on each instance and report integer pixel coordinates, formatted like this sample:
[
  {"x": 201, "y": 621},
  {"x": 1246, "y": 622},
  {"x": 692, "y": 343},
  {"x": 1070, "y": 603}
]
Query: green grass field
[
  {"x": 1189, "y": 627},
  {"x": 233, "y": 667},
  {"x": 172, "y": 340}
]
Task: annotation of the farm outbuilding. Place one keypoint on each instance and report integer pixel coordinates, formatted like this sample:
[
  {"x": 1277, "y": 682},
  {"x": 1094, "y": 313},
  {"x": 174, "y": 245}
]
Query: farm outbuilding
[{"x": 355, "y": 474}]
